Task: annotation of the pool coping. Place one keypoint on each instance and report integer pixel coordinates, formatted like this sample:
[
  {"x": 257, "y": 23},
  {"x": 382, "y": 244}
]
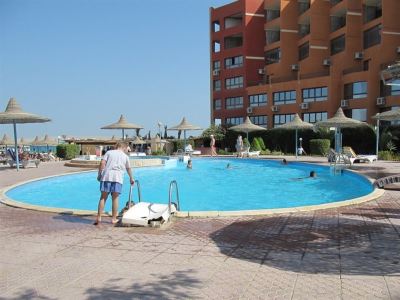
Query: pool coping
[{"x": 376, "y": 193}]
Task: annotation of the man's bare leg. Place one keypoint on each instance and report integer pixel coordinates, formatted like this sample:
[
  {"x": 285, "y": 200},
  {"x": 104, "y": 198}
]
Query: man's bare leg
[
  {"x": 102, "y": 202},
  {"x": 115, "y": 199}
]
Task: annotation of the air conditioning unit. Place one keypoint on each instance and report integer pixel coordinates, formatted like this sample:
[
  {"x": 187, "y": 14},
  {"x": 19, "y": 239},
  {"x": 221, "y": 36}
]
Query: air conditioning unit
[
  {"x": 295, "y": 67},
  {"x": 326, "y": 62},
  {"x": 261, "y": 71},
  {"x": 344, "y": 103},
  {"x": 380, "y": 101},
  {"x": 215, "y": 72},
  {"x": 249, "y": 110},
  {"x": 358, "y": 55},
  {"x": 304, "y": 106},
  {"x": 398, "y": 50},
  {"x": 275, "y": 108}
]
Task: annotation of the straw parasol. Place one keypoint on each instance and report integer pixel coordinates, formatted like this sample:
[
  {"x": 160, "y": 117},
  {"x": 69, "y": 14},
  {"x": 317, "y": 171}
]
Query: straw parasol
[
  {"x": 247, "y": 126},
  {"x": 6, "y": 141},
  {"x": 339, "y": 120},
  {"x": 138, "y": 141},
  {"x": 122, "y": 124},
  {"x": 36, "y": 142},
  {"x": 391, "y": 115},
  {"x": 185, "y": 125},
  {"x": 296, "y": 124},
  {"x": 15, "y": 115},
  {"x": 22, "y": 142}
]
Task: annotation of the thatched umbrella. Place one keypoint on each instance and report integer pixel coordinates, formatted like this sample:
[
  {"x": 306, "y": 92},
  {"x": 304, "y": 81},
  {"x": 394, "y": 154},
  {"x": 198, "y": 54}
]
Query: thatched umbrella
[
  {"x": 390, "y": 115},
  {"x": 15, "y": 115},
  {"x": 47, "y": 141},
  {"x": 122, "y": 124},
  {"x": 339, "y": 120},
  {"x": 6, "y": 141},
  {"x": 296, "y": 124},
  {"x": 246, "y": 127},
  {"x": 138, "y": 141},
  {"x": 184, "y": 125}
]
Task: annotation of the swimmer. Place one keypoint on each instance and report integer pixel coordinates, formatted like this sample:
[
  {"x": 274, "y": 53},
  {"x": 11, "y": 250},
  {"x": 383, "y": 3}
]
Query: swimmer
[
  {"x": 228, "y": 166},
  {"x": 284, "y": 161},
  {"x": 189, "y": 164},
  {"x": 313, "y": 174}
]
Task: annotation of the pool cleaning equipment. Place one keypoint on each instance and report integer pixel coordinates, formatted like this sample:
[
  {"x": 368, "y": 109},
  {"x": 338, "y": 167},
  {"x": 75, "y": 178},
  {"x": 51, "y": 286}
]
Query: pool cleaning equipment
[{"x": 147, "y": 213}]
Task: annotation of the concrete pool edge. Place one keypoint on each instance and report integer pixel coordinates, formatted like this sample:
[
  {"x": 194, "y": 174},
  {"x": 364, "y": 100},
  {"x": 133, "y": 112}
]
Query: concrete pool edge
[{"x": 376, "y": 193}]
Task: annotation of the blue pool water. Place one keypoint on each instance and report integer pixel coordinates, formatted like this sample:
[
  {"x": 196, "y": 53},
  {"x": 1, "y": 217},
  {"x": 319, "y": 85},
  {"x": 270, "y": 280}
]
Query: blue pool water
[{"x": 251, "y": 184}]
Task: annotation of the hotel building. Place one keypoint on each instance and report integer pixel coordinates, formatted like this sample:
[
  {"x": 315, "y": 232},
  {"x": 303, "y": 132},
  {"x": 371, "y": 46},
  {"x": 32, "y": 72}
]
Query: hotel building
[{"x": 271, "y": 59}]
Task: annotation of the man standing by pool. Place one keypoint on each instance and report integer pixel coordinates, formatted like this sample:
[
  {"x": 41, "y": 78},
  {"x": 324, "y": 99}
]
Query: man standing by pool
[{"x": 111, "y": 177}]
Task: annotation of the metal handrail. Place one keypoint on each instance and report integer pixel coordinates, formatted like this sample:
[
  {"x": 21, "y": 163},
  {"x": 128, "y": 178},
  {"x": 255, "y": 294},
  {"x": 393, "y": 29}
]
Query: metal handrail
[
  {"x": 130, "y": 193},
  {"x": 171, "y": 185}
]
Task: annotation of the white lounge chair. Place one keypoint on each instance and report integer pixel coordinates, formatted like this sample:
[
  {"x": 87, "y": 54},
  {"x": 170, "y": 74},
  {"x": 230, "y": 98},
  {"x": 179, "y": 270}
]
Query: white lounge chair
[
  {"x": 353, "y": 157},
  {"x": 189, "y": 150},
  {"x": 143, "y": 213}
]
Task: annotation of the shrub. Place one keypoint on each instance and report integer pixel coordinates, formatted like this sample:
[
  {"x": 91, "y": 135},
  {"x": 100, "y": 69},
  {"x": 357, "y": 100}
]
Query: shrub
[
  {"x": 223, "y": 152},
  {"x": 180, "y": 144},
  {"x": 261, "y": 143},
  {"x": 388, "y": 155},
  {"x": 67, "y": 151},
  {"x": 159, "y": 152},
  {"x": 320, "y": 146},
  {"x": 265, "y": 152},
  {"x": 255, "y": 146}
]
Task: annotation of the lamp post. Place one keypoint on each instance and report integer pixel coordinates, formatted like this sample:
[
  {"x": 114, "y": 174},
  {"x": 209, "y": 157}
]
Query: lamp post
[{"x": 159, "y": 128}]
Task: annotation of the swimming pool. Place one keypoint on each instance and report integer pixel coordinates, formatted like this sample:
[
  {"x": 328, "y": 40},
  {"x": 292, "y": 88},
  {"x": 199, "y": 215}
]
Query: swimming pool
[{"x": 249, "y": 185}]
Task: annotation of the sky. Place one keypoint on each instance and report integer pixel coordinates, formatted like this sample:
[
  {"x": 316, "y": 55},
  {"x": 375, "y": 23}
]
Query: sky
[{"x": 83, "y": 63}]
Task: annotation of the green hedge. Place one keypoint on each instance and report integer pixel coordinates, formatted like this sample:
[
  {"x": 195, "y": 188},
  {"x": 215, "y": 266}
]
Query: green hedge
[
  {"x": 255, "y": 146},
  {"x": 388, "y": 155},
  {"x": 67, "y": 151},
  {"x": 320, "y": 146}
]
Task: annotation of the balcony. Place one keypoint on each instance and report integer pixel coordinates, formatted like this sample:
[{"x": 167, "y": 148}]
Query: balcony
[
  {"x": 334, "y": 2},
  {"x": 304, "y": 28},
  {"x": 272, "y": 14}
]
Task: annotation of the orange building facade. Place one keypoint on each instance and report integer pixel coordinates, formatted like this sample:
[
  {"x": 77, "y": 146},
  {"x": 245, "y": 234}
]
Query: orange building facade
[{"x": 271, "y": 59}]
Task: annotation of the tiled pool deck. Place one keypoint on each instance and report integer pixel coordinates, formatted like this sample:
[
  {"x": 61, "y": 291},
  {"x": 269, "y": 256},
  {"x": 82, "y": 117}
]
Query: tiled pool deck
[{"x": 344, "y": 253}]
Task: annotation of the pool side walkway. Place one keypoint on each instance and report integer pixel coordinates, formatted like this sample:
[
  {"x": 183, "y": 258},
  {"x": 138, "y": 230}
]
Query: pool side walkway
[{"x": 344, "y": 253}]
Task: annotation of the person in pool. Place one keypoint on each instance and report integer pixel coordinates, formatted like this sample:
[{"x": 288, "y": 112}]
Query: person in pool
[
  {"x": 284, "y": 161},
  {"x": 189, "y": 164},
  {"x": 313, "y": 174},
  {"x": 111, "y": 174}
]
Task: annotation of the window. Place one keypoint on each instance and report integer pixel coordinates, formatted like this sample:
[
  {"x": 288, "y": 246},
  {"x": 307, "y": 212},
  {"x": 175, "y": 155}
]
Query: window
[
  {"x": 233, "y": 41},
  {"x": 234, "y": 102},
  {"x": 356, "y": 90},
  {"x": 338, "y": 44},
  {"x": 234, "y": 121},
  {"x": 304, "y": 51},
  {"x": 217, "y": 122},
  {"x": 233, "y": 62},
  {"x": 287, "y": 97},
  {"x": 234, "y": 82},
  {"x": 272, "y": 36},
  {"x": 372, "y": 36},
  {"x": 282, "y": 119},
  {"x": 217, "y": 104},
  {"x": 258, "y": 100},
  {"x": 303, "y": 6},
  {"x": 215, "y": 26},
  {"x": 259, "y": 120},
  {"x": 338, "y": 22},
  {"x": 395, "y": 87},
  {"x": 372, "y": 12},
  {"x": 304, "y": 29},
  {"x": 216, "y": 65},
  {"x": 334, "y": 2},
  {"x": 217, "y": 85},
  {"x": 359, "y": 114},
  {"x": 216, "y": 46},
  {"x": 233, "y": 21},
  {"x": 272, "y": 56},
  {"x": 272, "y": 14},
  {"x": 315, "y": 94},
  {"x": 315, "y": 117}
]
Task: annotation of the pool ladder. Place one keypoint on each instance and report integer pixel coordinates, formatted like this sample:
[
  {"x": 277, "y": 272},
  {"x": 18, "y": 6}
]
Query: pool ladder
[{"x": 172, "y": 185}]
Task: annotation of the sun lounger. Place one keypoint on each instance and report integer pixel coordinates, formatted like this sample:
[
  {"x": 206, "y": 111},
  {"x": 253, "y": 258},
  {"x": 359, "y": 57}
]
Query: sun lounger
[
  {"x": 189, "y": 150},
  {"x": 24, "y": 163},
  {"x": 143, "y": 213},
  {"x": 349, "y": 152}
]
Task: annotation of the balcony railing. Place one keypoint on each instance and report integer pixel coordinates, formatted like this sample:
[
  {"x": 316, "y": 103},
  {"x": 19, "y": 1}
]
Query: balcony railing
[
  {"x": 315, "y": 74},
  {"x": 272, "y": 14},
  {"x": 303, "y": 6}
]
